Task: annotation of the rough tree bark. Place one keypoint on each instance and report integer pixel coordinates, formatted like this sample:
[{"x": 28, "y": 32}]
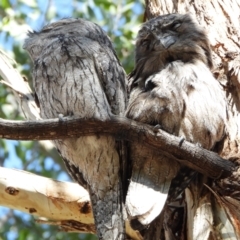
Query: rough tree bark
[{"x": 208, "y": 214}]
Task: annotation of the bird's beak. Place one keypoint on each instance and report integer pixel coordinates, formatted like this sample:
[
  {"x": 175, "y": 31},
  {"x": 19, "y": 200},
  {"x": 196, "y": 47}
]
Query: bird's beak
[{"x": 167, "y": 40}]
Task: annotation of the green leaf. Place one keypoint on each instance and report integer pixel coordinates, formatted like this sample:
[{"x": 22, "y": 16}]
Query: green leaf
[{"x": 5, "y": 4}]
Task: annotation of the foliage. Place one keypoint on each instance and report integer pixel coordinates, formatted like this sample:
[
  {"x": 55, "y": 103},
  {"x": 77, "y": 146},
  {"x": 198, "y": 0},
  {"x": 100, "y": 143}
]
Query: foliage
[{"x": 120, "y": 19}]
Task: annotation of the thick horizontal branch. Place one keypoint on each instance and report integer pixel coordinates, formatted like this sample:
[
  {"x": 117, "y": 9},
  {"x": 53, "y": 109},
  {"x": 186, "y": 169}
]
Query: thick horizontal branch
[
  {"x": 203, "y": 161},
  {"x": 64, "y": 204},
  {"x": 44, "y": 197}
]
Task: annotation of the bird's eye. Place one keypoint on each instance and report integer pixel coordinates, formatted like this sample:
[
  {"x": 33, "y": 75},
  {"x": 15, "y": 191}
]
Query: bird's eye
[
  {"x": 149, "y": 85},
  {"x": 176, "y": 24},
  {"x": 145, "y": 42},
  {"x": 134, "y": 85}
]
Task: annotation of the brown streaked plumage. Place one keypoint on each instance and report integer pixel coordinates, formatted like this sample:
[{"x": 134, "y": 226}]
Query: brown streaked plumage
[{"x": 171, "y": 86}]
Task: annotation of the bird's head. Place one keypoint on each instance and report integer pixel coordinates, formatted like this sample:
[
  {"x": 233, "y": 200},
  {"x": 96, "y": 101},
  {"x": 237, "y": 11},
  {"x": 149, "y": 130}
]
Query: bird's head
[{"x": 168, "y": 38}]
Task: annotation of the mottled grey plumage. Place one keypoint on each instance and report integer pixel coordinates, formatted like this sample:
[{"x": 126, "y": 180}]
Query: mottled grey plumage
[
  {"x": 171, "y": 86},
  {"x": 77, "y": 73}
]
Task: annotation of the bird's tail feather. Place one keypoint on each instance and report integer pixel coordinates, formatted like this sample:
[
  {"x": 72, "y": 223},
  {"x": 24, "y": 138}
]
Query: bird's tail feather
[{"x": 149, "y": 185}]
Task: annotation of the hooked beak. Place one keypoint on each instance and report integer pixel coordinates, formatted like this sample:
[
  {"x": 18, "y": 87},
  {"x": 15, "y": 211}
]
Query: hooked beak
[{"x": 168, "y": 40}]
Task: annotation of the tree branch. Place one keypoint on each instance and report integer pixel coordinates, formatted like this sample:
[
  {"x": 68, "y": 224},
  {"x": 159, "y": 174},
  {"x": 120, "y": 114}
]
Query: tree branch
[
  {"x": 64, "y": 204},
  {"x": 44, "y": 197},
  {"x": 20, "y": 87},
  {"x": 203, "y": 161}
]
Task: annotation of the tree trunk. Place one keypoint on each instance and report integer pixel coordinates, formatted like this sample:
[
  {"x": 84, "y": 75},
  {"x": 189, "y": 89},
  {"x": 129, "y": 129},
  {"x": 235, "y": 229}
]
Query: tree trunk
[{"x": 207, "y": 212}]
